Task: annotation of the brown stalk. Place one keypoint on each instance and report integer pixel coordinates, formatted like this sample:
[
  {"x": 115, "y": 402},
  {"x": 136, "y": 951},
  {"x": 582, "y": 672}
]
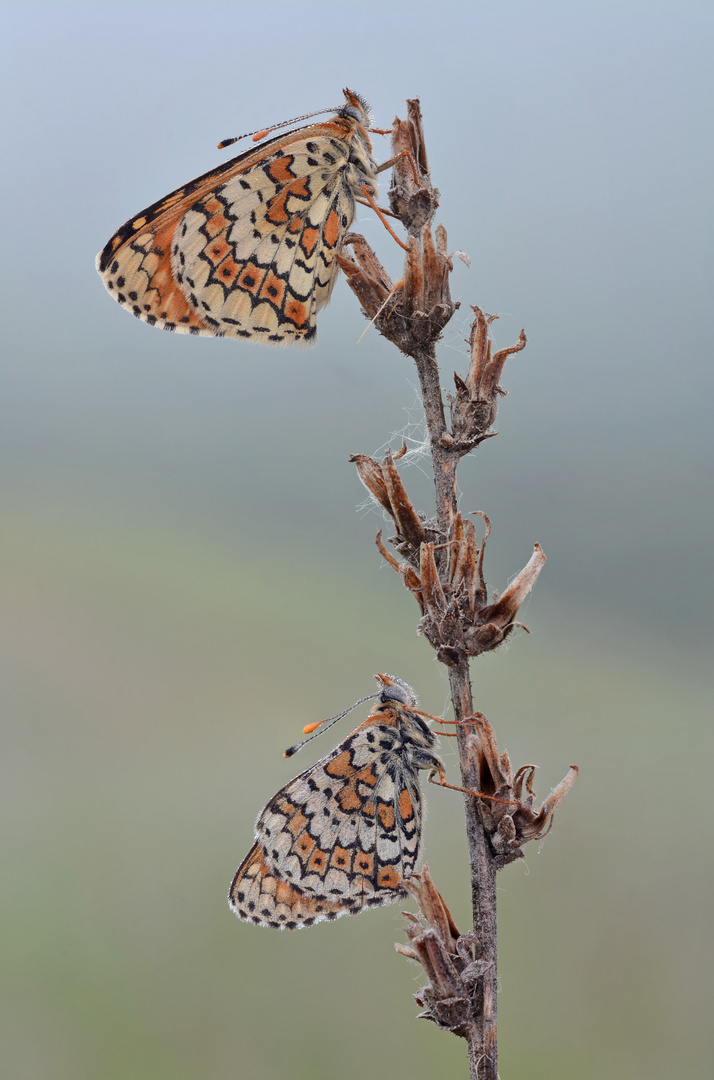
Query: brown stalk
[{"x": 443, "y": 567}]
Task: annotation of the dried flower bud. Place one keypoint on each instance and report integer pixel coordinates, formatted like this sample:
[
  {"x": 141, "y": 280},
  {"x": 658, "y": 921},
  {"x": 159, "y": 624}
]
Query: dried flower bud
[
  {"x": 509, "y": 827},
  {"x": 384, "y": 484},
  {"x": 451, "y": 592},
  {"x": 446, "y": 956},
  {"x": 475, "y": 403},
  {"x": 370, "y": 473}
]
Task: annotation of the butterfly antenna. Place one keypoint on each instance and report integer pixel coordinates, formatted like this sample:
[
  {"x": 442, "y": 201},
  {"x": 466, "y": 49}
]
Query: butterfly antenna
[
  {"x": 256, "y": 135},
  {"x": 328, "y": 722}
]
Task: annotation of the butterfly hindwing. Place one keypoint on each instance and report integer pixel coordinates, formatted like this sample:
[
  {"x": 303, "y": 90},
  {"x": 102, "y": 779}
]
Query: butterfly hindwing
[
  {"x": 257, "y": 895},
  {"x": 262, "y": 264},
  {"x": 248, "y": 249},
  {"x": 325, "y": 831}
]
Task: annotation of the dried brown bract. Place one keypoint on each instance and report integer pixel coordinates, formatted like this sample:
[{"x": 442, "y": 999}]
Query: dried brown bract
[
  {"x": 445, "y": 572},
  {"x": 385, "y": 485},
  {"x": 509, "y": 827},
  {"x": 451, "y": 997},
  {"x": 475, "y": 403}
]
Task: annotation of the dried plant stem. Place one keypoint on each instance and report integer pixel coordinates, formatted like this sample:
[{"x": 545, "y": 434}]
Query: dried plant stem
[
  {"x": 481, "y": 1039},
  {"x": 443, "y": 569},
  {"x": 483, "y": 1047},
  {"x": 444, "y": 464}
]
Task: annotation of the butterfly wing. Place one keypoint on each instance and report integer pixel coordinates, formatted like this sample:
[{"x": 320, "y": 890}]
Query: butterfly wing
[
  {"x": 257, "y": 895},
  {"x": 246, "y": 250},
  {"x": 343, "y": 833}
]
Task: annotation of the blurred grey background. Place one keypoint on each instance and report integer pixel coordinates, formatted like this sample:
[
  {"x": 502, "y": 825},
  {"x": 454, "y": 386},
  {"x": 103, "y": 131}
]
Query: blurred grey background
[{"x": 189, "y": 574}]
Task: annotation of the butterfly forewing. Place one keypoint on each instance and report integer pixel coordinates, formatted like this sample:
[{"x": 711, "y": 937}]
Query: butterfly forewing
[{"x": 248, "y": 249}]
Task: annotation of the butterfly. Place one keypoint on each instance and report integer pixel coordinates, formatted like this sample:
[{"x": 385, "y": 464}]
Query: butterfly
[
  {"x": 341, "y": 836},
  {"x": 248, "y": 249}
]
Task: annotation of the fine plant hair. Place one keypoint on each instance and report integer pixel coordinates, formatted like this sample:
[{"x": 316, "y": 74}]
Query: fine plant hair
[{"x": 440, "y": 560}]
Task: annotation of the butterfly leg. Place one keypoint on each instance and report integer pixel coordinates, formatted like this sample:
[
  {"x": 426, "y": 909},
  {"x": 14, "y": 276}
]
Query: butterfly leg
[
  {"x": 398, "y": 157},
  {"x": 381, "y": 217},
  {"x": 384, "y": 210},
  {"x": 441, "y": 782},
  {"x": 424, "y": 759}
]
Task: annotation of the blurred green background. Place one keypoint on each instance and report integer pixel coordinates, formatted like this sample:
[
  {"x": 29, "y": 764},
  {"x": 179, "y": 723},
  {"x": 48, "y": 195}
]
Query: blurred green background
[{"x": 188, "y": 568}]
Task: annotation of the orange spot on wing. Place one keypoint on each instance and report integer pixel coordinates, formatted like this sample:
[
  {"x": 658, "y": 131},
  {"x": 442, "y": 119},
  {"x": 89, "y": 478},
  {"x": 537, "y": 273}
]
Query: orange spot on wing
[
  {"x": 364, "y": 863},
  {"x": 217, "y": 250},
  {"x": 216, "y": 224},
  {"x": 279, "y": 170},
  {"x": 297, "y": 823},
  {"x": 405, "y": 805},
  {"x": 296, "y": 313},
  {"x": 341, "y": 859},
  {"x": 341, "y": 765},
  {"x": 331, "y": 231},
  {"x": 300, "y": 188},
  {"x": 228, "y": 271},
  {"x": 273, "y": 289},
  {"x": 172, "y": 199},
  {"x": 284, "y": 893},
  {"x": 309, "y": 239},
  {"x": 367, "y": 775},
  {"x": 251, "y": 278},
  {"x": 388, "y": 878},
  {"x": 386, "y": 815},
  {"x": 276, "y": 213},
  {"x": 304, "y": 844},
  {"x": 349, "y": 799},
  {"x": 317, "y": 863}
]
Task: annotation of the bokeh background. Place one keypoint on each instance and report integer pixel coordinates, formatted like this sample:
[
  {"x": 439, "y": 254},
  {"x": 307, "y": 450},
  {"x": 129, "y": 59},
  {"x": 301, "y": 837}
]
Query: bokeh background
[{"x": 189, "y": 574}]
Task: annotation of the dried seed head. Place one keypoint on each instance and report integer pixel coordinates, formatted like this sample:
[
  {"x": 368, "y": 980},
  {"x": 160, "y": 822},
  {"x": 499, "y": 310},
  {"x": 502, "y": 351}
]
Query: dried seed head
[{"x": 509, "y": 827}]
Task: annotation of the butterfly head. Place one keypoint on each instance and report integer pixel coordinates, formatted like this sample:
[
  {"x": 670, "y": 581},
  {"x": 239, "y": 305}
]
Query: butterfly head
[
  {"x": 393, "y": 689},
  {"x": 356, "y": 108}
]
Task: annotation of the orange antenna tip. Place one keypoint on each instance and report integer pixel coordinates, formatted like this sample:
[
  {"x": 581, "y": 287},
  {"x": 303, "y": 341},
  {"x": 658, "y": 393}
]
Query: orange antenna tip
[
  {"x": 311, "y": 727},
  {"x": 261, "y": 134}
]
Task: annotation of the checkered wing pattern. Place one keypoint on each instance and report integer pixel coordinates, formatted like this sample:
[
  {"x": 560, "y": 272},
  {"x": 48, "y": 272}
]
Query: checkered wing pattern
[
  {"x": 342, "y": 835},
  {"x": 248, "y": 249}
]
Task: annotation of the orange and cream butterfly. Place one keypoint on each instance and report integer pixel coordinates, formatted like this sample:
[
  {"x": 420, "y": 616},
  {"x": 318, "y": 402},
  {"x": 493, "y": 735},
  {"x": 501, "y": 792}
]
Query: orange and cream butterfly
[
  {"x": 248, "y": 249},
  {"x": 340, "y": 837}
]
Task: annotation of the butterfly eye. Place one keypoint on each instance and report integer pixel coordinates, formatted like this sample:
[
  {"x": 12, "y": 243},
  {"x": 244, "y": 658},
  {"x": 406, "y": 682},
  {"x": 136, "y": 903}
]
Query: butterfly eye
[
  {"x": 353, "y": 112},
  {"x": 394, "y": 689}
]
